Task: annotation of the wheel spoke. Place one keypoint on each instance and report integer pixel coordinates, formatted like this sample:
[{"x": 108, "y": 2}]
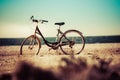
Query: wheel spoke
[
  {"x": 75, "y": 42},
  {"x": 30, "y": 45}
]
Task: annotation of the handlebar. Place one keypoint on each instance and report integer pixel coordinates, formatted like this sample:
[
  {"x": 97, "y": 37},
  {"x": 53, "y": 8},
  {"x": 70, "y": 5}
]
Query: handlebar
[{"x": 37, "y": 21}]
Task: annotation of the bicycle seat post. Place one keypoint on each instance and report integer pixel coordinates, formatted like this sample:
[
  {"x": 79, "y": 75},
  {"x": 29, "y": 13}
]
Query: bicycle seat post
[{"x": 59, "y": 27}]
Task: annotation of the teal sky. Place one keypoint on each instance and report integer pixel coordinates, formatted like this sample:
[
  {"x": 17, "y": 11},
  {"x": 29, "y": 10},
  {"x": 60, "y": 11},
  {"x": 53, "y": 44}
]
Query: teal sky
[{"x": 91, "y": 17}]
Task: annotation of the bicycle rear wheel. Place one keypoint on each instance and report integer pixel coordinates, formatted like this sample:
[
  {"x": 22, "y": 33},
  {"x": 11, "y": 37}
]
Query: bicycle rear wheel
[
  {"x": 31, "y": 45},
  {"x": 72, "y": 42}
]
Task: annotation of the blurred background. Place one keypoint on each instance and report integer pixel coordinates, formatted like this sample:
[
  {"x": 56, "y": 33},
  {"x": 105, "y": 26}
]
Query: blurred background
[{"x": 91, "y": 17}]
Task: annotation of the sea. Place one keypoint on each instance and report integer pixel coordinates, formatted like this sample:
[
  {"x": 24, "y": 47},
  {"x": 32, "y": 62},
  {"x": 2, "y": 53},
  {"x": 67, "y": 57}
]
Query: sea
[{"x": 88, "y": 40}]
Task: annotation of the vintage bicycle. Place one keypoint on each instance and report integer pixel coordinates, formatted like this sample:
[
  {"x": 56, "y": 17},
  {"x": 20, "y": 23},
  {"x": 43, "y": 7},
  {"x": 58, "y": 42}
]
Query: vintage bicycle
[{"x": 69, "y": 42}]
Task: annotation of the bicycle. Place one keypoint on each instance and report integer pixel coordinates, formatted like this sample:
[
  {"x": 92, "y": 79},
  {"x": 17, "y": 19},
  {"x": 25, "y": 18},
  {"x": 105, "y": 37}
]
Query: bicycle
[{"x": 70, "y": 42}]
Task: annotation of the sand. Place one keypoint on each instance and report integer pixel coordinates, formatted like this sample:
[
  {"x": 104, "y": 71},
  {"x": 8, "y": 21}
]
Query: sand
[{"x": 9, "y": 56}]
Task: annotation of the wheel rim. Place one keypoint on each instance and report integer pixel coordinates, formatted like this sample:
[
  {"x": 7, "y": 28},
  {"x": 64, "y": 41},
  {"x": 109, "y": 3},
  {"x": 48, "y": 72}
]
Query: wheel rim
[
  {"x": 30, "y": 46},
  {"x": 76, "y": 45}
]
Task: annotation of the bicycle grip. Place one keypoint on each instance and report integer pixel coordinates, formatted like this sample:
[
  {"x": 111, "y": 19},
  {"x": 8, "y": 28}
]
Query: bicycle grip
[{"x": 44, "y": 21}]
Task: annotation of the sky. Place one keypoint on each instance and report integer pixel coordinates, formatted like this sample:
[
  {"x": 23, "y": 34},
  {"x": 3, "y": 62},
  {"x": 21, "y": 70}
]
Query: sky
[{"x": 91, "y": 17}]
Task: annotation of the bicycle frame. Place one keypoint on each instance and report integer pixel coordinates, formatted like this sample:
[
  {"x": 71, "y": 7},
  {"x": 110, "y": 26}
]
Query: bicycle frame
[
  {"x": 53, "y": 45},
  {"x": 50, "y": 44}
]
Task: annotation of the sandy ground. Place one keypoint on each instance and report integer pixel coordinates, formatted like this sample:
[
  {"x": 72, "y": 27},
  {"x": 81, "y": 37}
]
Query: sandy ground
[{"x": 9, "y": 56}]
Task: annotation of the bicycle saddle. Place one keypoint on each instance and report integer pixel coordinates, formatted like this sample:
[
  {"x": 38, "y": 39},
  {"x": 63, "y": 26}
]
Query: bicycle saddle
[{"x": 60, "y": 23}]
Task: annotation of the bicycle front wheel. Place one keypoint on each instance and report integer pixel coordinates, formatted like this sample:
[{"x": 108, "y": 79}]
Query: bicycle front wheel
[
  {"x": 31, "y": 45},
  {"x": 72, "y": 42}
]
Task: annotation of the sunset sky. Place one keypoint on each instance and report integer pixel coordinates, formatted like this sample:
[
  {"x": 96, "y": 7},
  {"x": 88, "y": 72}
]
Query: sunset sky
[{"x": 91, "y": 17}]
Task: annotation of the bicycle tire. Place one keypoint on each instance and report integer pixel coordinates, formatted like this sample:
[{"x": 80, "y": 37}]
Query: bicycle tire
[
  {"x": 28, "y": 48},
  {"x": 79, "y": 43}
]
